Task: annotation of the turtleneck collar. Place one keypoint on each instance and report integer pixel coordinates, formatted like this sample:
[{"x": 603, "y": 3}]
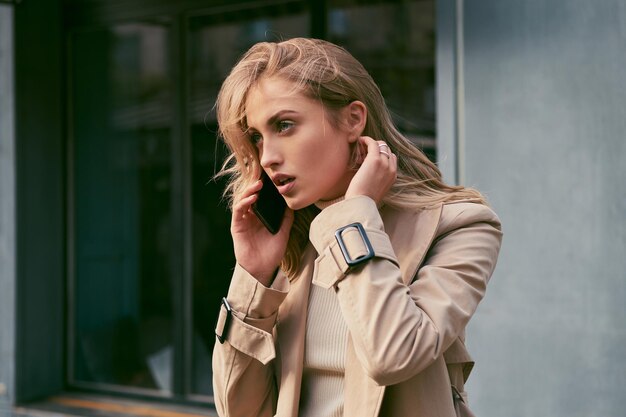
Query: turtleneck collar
[{"x": 322, "y": 204}]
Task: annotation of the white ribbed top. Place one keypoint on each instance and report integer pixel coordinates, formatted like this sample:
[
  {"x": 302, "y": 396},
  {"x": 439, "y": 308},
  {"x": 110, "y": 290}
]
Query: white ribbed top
[{"x": 324, "y": 356}]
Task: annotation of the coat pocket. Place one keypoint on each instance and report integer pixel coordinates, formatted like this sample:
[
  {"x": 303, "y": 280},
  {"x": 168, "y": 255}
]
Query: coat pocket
[{"x": 460, "y": 404}]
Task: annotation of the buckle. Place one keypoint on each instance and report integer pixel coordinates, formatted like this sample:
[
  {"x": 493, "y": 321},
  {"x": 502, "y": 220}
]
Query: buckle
[
  {"x": 366, "y": 242},
  {"x": 229, "y": 313}
]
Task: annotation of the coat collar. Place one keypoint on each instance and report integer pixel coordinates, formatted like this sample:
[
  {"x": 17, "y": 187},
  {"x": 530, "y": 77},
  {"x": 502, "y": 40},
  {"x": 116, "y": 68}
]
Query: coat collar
[
  {"x": 411, "y": 234},
  {"x": 290, "y": 339}
]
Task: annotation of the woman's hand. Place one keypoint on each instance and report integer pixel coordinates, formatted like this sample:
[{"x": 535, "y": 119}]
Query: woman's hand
[
  {"x": 377, "y": 173},
  {"x": 256, "y": 249}
]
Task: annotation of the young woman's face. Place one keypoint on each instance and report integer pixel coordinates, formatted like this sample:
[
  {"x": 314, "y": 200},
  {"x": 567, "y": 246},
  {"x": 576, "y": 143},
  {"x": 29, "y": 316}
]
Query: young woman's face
[{"x": 299, "y": 148}]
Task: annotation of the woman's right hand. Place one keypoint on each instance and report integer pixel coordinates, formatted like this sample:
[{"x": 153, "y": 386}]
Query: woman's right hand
[{"x": 256, "y": 249}]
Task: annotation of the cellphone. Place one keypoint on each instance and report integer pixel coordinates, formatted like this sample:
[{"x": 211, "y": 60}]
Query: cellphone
[{"x": 270, "y": 206}]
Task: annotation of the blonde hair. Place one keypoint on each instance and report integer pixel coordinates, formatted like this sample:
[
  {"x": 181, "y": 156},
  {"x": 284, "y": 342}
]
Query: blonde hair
[{"x": 330, "y": 74}]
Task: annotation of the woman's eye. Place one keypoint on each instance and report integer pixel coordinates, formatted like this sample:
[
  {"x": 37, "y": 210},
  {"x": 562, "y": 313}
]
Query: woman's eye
[
  {"x": 284, "y": 125},
  {"x": 255, "y": 138}
]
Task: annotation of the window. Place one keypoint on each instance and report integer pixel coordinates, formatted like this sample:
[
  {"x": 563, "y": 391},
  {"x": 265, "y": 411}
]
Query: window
[
  {"x": 395, "y": 41},
  {"x": 123, "y": 133},
  {"x": 215, "y": 42},
  {"x": 150, "y": 253}
]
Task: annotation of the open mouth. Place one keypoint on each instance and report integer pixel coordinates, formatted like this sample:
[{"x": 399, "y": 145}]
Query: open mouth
[
  {"x": 284, "y": 184},
  {"x": 284, "y": 181}
]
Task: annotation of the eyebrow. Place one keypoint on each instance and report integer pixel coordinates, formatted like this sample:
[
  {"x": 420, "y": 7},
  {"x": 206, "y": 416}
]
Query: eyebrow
[{"x": 276, "y": 116}]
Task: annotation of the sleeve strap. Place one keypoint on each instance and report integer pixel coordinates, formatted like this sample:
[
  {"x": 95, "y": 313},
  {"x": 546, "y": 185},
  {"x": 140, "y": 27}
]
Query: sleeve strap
[
  {"x": 245, "y": 337},
  {"x": 332, "y": 265}
]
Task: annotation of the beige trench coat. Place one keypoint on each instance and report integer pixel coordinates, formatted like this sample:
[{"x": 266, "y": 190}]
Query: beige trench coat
[{"x": 406, "y": 311}]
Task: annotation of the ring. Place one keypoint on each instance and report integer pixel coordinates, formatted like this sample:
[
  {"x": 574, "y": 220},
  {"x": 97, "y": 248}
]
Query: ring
[
  {"x": 380, "y": 145},
  {"x": 384, "y": 153}
]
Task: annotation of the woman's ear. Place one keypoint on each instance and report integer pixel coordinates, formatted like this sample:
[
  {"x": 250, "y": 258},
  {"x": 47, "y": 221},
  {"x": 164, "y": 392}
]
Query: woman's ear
[{"x": 355, "y": 119}]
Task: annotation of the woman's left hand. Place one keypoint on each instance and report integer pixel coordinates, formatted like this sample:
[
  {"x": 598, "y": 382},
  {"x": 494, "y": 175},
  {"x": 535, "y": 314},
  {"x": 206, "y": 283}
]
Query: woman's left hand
[{"x": 377, "y": 173}]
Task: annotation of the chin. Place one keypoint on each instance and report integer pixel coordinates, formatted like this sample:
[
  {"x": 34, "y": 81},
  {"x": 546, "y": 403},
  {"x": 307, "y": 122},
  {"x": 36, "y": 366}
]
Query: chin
[{"x": 297, "y": 204}]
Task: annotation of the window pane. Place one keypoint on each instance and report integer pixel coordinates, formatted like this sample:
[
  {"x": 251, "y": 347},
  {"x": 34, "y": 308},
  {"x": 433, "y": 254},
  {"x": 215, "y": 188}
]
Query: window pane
[
  {"x": 122, "y": 126},
  {"x": 399, "y": 52},
  {"x": 216, "y": 42}
]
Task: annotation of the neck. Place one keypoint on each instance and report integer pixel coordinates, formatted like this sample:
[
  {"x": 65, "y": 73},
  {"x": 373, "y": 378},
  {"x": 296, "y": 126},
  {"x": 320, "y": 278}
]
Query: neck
[{"x": 322, "y": 204}]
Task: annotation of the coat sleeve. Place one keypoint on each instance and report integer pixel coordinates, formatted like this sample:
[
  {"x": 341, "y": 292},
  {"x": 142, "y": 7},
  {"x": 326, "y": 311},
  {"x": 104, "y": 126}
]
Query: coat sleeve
[
  {"x": 399, "y": 330},
  {"x": 243, "y": 375}
]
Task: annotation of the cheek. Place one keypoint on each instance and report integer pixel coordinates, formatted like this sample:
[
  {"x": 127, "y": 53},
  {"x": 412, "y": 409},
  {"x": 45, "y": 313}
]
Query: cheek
[
  {"x": 338, "y": 164},
  {"x": 344, "y": 155},
  {"x": 329, "y": 155}
]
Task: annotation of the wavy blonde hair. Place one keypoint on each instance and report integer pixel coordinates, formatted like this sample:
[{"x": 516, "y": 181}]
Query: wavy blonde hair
[{"x": 330, "y": 74}]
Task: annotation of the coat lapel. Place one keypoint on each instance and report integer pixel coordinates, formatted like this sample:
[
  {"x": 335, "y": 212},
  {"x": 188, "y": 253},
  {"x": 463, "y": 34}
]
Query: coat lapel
[
  {"x": 411, "y": 234},
  {"x": 291, "y": 328}
]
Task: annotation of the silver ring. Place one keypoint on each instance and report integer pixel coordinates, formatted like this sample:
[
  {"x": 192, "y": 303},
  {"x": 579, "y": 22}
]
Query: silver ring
[
  {"x": 384, "y": 153},
  {"x": 380, "y": 145}
]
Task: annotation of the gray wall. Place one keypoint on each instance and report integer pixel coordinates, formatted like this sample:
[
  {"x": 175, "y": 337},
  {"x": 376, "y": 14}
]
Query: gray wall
[
  {"x": 7, "y": 210},
  {"x": 544, "y": 129}
]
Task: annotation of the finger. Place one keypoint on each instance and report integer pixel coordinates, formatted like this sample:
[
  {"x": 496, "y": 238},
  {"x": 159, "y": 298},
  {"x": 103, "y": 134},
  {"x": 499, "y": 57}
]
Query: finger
[
  {"x": 384, "y": 154},
  {"x": 285, "y": 226},
  {"x": 372, "y": 145},
  {"x": 242, "y": 207},
  {"x": 384, "y": 149},
  {"x": 368, "y": 143},
  {"x": 373, "y": 148},
  {"x": 389, "y": 166},
  {"x": 252, "y": 189},
  {"x": 248, "y": 192},
  {"x": 382, "y": 144},
  {"x": 393, "y": 164}
]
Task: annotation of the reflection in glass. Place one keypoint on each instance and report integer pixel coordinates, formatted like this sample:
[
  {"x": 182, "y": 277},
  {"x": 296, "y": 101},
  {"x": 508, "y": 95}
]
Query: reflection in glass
[
  {"x": 216, "y": 42},
  {"x": 121, "y": 120},
  {"x": 399, "y": 52}
]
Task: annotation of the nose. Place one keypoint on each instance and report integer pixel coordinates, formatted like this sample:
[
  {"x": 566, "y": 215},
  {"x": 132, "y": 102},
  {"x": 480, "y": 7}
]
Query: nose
[{"x": 270, "y": 154}]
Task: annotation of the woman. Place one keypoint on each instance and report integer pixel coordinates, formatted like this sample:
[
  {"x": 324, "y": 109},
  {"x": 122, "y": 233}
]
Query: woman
[{"x": 303, "y": 331}]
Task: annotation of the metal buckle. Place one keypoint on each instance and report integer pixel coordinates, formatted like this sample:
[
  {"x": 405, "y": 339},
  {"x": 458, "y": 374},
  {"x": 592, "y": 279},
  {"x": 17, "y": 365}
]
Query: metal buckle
[
  {"x": 370, "y": 251},
  {"x": 229, "y": 313}
]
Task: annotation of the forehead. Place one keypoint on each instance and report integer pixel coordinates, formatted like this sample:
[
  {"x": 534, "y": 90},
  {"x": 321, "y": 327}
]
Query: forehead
[{"x": 269, "y": 95}]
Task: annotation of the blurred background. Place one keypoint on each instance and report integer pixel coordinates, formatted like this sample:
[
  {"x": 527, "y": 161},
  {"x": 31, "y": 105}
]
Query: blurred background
[{"x": 114, "y": 242}]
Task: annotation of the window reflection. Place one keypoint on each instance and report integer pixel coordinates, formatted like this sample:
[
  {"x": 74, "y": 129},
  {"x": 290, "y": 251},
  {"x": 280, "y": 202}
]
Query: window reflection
[
  {"x": 399, "y": 52},
  {"x": 216, "y": 42},
  {"x": 121, "y": 122}
]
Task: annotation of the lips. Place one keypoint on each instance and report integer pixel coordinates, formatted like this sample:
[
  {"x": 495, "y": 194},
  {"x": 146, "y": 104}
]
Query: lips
[{"x": 284, "y": 183}]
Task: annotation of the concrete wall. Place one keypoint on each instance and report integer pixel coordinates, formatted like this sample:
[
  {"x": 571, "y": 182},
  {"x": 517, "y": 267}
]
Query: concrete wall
[
  {"x": 7, "y": 210},
  {"x": 544, "y": 129}
]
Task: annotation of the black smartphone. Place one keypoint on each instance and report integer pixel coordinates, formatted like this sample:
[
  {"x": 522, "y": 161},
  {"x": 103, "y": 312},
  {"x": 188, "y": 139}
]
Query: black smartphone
[{"x": 270, "y": 206}]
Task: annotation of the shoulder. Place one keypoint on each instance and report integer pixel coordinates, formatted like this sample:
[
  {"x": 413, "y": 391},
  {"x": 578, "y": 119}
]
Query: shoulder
[
  {"x": 441, "y": 227},
  {"x": 439, "y": 219},
  {"x": 460, "y": 214}
]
